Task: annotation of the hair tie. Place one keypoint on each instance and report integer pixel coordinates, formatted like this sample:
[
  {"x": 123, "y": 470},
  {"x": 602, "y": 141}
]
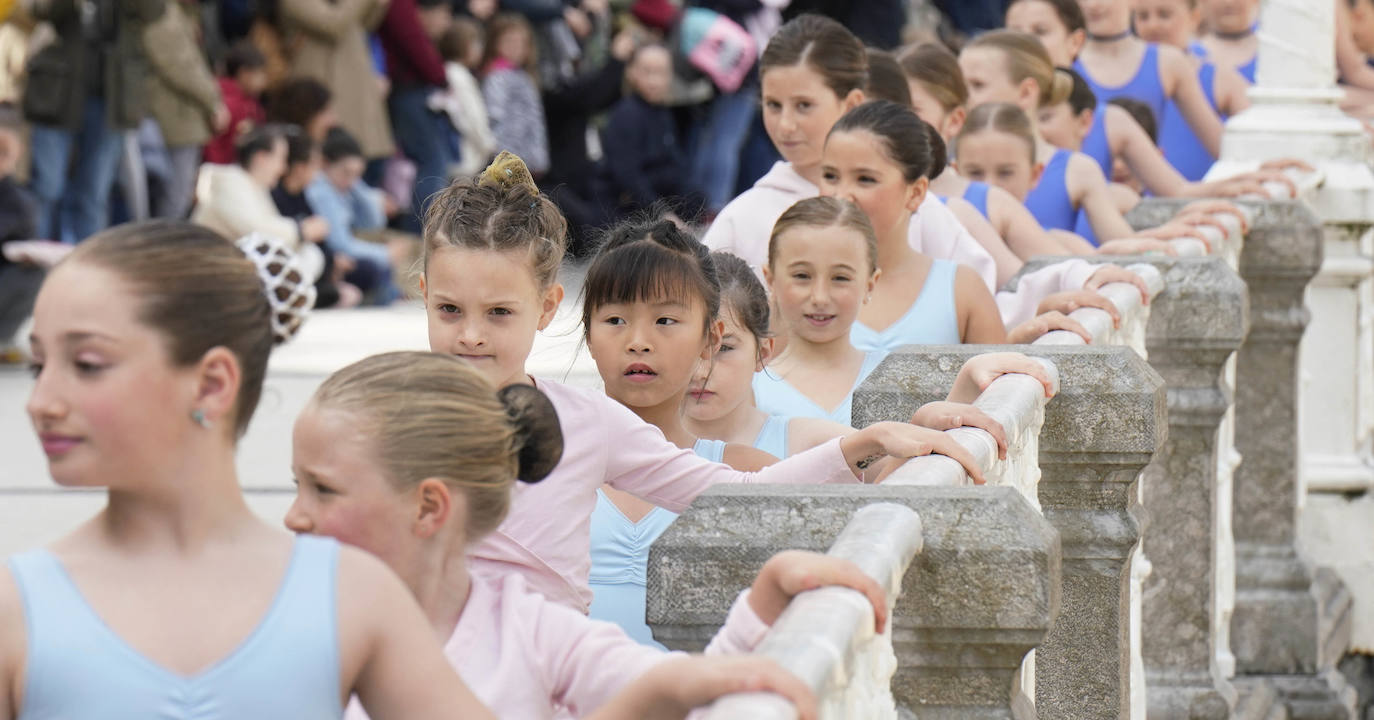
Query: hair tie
[
  {"x": 538, "y": 434},
  {"x": 289, "y": 288}
]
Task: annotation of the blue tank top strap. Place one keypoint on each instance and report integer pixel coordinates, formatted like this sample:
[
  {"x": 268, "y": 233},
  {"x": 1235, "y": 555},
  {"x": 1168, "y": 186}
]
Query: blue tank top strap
[
  {"x": 1248, "y": 70},
  {"x": 933, "y": 319},
  {"x": 976, "y": 194},
  {"x": 1196, "y": 49},
  {"x": 943, "y": 200},
  {"x": 713, "y": 450},
  {"x": 1096, "y": 144},
  {"x": 1049, "y": 200},
  {"x": 772, "y": 437},
  {"x": 1144, "y": 86},
  {"x": 1178, "y": 142},
  {"x": 78, "y": 668}
]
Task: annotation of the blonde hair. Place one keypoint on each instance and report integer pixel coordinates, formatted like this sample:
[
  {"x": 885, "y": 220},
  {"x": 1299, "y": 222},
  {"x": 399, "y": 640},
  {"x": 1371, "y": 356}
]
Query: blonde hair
[
  {"x": 937, "y": 70},
  {"x": 999, "y": 117},
  {"x": 825, "y": 212},
  {"x": 1027, "y": 58},
  {"x": 434, "y": 416},
  {"x": 502, "y": 210}
]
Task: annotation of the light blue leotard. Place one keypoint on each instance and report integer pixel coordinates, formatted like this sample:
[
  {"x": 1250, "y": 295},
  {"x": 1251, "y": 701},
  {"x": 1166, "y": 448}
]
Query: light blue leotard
[
  {"x": 78, "y": 669},
  {"x": 772, "y": 437},
  {"x": 1049, "y": 200},
  {"x": 776, "y": 396},
  {"x": 620, "y": 557},
  {"x": 1144, "y": 86},
  {"x": 1180, "y": 144},
  {"x": 932, "y": 320}
]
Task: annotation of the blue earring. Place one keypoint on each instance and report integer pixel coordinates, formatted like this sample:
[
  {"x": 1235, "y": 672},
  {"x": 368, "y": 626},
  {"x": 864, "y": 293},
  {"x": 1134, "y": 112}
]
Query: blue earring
[{"x": 198, "y": 417}]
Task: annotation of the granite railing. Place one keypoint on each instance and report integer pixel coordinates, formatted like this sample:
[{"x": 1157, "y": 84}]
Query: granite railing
[{"x": 827, "y": 636}]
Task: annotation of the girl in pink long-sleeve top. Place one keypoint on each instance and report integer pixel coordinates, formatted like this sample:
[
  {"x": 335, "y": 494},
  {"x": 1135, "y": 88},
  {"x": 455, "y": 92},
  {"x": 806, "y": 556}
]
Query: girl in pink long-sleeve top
[
  {"x": 430, "y": 451},
  {"x": 492, "y": 252}
]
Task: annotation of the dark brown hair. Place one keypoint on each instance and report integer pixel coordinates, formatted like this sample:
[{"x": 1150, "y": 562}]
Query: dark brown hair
[
  {"x": 1068, "y": 11},
  {"x": 743, "y": 296},
  {"x": 937, "y": 70},
  {"x": 907, "y": 140},
  {"x": 823, "y": 45},
  {"x": 649, "y": 261},
  {"x": 195, "y": 289},
  {"x": 886, "y": 81},
  {"x": 502, "y": 210}
]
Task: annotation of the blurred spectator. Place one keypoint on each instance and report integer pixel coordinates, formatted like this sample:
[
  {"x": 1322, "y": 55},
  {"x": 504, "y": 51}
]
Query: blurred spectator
[
  {"x": 302, "y": 165},
  {"x": 645, "y": 162},
  {"x": 265, "y": 34},
  {"x": 462, "y": 47},
  {"x": 416, "y": 71},
  {"x": 339, "y": 195},
  {"x": 82, "y": 92},
  {"x": 329, "y": 43},
  {"x": 235, "y": 200},
  {"x": 245, "y": 77},
  {"x": 876, "y": 22},
  {"x": 185, "y": 102},
  {"x": 19, "y": 282},
  {"x": 305, "y": 103},
  {"x": 481, "y": 10},
  {"x": 568, "y": 108},
  {"x": 513, "y": 103}
]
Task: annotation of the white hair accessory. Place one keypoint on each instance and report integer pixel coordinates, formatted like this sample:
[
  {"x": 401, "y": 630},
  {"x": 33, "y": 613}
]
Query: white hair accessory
[{"x": 290, "y": 289}]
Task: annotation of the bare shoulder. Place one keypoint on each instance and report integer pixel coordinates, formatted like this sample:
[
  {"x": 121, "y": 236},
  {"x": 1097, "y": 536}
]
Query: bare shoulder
[
  {"x": 367, "y": 593},
  {"x": 967, "y": 280},
  {"x": 746, "y": 458},
  {"x": 1174, "y": 60},
  {"x": 364, "y": 580}
]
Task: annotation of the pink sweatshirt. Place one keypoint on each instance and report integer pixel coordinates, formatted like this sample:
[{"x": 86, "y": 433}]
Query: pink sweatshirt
[
  {"x": 547, "y": 538},
  {"x": 744, "y": 226},
  {"x": 525, "y": 657}
]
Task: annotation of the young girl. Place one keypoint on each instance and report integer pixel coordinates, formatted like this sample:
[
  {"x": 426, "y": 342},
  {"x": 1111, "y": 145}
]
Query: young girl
[
  {"x": 940, "y": 97},
  {"x": 150, "y": 345},
  {"x": 462, "y": 48},
  {"x": 431, "y": 454},
  {"x": 721, "y": 400},
  {"x": 492, "y": 252},
  {"x": 1230, "y": 41},
  {"x": 512, "y": 97},
  {"x": 1116, "y": 63}
]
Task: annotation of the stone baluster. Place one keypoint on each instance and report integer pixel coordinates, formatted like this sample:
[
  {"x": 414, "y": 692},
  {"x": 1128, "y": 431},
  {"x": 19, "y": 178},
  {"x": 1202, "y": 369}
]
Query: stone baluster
[
  {"x": 983, "y": 592},
  {"x": 1101, "y": 429}
]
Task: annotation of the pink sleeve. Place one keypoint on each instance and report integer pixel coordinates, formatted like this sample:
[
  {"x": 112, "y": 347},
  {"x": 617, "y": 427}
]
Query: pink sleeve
[
  {"x": 588, "y": 661},
  {"x": 645, "y": 464},
  {"x": 935, "y": 231},
  {"x": 1019, "y": 306},
  {"x": 742, "y": 632}
]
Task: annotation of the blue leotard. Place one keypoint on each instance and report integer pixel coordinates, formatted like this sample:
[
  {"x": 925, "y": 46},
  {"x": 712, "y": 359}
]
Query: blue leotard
[
  {"x": 776, "y": 396},
  {"x": 1049, "y": 200},
  {"x": 620, "y": 557},
  {"x": 77, "y": 668},
  {"x": 976, "y": 194},
  {"x": 1095, "y": 143},
  {"x": 772, "y": 437},
  {"x": 1084, "y": 227},
  {"x": 1246, "y": 71},
  {"x": 1180, "y": 144},
  {"x": 1145, "y": 86}
]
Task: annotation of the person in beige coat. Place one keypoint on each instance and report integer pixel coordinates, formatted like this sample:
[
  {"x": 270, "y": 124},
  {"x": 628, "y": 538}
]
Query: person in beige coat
[
  {"x": 330, "y": 41},
  {"x": 184, "y": 99}
]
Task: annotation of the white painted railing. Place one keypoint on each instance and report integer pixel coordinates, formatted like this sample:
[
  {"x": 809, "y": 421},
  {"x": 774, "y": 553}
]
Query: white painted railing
[
  {"x": 1135, "y": 315},
  {"x": 827, "y": 638}
]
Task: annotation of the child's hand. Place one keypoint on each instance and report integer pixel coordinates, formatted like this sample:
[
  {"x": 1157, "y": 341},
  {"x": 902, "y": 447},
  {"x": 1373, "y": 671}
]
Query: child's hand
[
  {"x": 1174, "y": 230},
  {"x": 1031, "y": 330},
  {"x": 945, "y": 415},
  {"x": 904, "y": 441},
  {"x": 1286, "y": 164},
  {"x": 1067, "y": 302},
  {"x": 1107, "y": 274},
  {"x": 1136, "y": 246},
  {"x": 979, "y": 371},
  {"x": 792, "y": 572},
  {"x": 671, "y": 689},
  {"x": 1206, "y": 208}
]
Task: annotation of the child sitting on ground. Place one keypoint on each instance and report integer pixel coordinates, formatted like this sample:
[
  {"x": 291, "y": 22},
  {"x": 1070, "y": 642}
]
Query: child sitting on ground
[{"x": 339, "y": 195}]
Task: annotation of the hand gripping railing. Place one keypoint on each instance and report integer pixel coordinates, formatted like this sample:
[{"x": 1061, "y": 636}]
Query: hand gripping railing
[
  {"x": 826, "y": 636},
  {"x": 1135, "y": 315},
  {"x": 1017, "y": 402}
]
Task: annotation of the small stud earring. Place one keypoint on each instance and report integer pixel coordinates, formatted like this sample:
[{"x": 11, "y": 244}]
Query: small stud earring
[{"x": 198, "y": 417}]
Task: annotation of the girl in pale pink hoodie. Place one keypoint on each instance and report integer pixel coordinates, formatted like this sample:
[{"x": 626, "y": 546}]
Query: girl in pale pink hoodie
[
  {"x": 492, "y": 252},
  {"x": 431, "y": 449},
  {"x": 812, "y": 72}
]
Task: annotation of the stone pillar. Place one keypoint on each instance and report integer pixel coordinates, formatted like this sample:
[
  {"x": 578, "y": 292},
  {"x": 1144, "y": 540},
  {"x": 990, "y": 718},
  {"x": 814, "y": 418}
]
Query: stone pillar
[
  {"x": 1100, "y": 431},
  {"x": 983, "y": 592},
  {"x": 1290, "y": 624}
]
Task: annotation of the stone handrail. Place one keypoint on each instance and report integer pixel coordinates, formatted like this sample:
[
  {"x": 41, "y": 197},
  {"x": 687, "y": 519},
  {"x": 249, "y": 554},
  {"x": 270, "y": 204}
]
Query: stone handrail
[
  {"x": 1017, "y": 402},
  {"x": 826, "y": 637},
  {"x": 1135, "y": 315}
]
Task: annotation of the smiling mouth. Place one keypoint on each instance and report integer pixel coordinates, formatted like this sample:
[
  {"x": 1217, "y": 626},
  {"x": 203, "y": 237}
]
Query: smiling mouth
[{"x": 818, "y": 319}]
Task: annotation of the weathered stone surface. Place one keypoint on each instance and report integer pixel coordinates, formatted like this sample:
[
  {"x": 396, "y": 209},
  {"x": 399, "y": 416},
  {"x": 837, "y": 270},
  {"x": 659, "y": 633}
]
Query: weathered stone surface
[
  {"x": 1100, "y": 430},
  {"x": 982, "y": 593}
]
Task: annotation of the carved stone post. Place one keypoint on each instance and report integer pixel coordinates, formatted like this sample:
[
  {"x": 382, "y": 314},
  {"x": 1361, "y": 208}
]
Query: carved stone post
[
  {"x": 983, "y": 592},
  {"x": 1100, "y": 431}
]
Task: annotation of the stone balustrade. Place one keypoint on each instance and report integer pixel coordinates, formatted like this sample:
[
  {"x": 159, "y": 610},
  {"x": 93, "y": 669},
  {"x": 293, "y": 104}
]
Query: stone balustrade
[
  {"x": 827, "y": 636},
  {"x": 1134, "y": 314}
]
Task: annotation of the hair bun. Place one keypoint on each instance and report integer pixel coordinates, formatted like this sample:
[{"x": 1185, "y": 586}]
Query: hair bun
[
  {"x": 1060, "y": 88},
  {"x": 288, "y": 286},
  {"x": 508, "y": 171},
  {"x": 539, "y": 437}
]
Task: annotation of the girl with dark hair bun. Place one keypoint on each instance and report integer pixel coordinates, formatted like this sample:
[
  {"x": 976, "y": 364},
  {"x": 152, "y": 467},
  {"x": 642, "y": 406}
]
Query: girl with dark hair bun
[{"x": 150, "y": 347}]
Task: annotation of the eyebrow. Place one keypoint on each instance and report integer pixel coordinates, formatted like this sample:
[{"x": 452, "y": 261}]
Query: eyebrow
[{"x": 72, "y": 337}]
